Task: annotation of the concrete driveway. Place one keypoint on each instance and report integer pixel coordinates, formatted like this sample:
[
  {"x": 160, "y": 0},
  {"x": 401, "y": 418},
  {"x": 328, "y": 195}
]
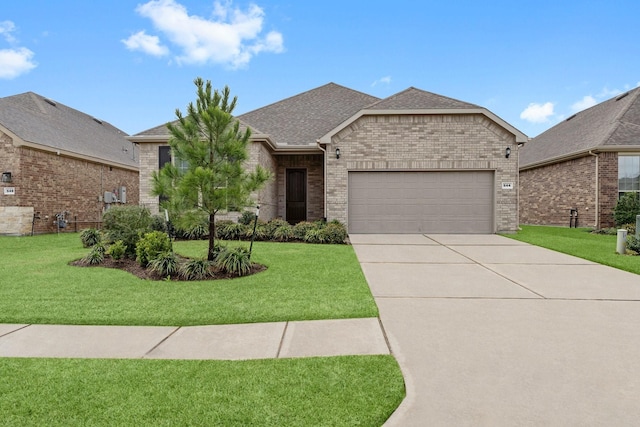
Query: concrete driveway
[{"x": 491, "y": 331}]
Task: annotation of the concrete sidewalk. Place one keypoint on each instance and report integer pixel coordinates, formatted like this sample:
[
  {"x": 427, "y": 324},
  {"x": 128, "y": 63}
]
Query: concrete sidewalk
[
  {"x": 222, "y": 342},
  {"x": 491, "y": 331}
]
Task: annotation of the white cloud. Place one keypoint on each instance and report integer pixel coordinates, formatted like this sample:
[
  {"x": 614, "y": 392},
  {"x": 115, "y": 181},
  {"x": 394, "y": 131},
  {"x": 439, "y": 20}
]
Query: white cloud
[
  {"x": 608, "y": 93},
  {"x": 584, "y": 103},
  {"x": 146, "y": 43},
  {"x": 230, "y": 37},
  {"x": 14, "y": 62},
  {"x": 6, "y": 28},
  {"x": 383, "y": 80},
  {"x": 538, "y": 113}
]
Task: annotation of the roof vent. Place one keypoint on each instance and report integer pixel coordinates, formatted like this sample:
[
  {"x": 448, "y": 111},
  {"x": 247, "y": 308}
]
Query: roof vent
[
  {"x": 571, "y": 117},
  {"x": 622, "y": 96},
  {"x": 97, "y": 120},
  {"x": 50, "y": 101}
]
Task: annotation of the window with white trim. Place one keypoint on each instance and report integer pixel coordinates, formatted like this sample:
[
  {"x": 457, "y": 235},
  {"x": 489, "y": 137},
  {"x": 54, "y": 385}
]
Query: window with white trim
[{"x": 628, "y": 174}]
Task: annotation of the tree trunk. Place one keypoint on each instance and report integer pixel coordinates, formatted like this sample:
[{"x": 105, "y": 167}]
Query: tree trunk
[{"x": 212, "y": 235}]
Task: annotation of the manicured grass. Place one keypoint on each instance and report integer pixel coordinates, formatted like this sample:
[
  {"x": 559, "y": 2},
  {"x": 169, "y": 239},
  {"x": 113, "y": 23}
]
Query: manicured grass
[
  {"x": 579, "y": 242},
  {"x": 338, "y": 391},
  {"x": 302, "y": 282}
]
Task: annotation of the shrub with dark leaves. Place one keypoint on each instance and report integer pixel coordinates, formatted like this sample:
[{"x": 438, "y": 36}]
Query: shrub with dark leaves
[{"x": 90, "y": 237}]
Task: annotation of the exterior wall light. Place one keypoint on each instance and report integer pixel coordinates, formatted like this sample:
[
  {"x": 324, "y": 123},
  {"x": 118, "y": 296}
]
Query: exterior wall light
[
  {"x": 507, "y": 152},
  {"x": 6, "y": 176},
  {"x": 337, "y": 153}
]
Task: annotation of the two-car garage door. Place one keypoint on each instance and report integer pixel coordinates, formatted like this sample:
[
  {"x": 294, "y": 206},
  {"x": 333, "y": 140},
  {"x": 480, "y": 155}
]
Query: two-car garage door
[{"x": 421, "y": 202}]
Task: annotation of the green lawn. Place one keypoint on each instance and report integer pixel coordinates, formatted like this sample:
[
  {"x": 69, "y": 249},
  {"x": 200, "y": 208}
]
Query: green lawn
[
  {"x": 302, "y": 282},
  {"x": 338, "y": 391},
  {"x": 579, "y": 242}
]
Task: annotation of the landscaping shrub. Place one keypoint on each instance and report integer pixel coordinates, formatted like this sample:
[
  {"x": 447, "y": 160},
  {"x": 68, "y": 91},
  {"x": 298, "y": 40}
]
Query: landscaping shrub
[
  {"x": 165, "y": 264},
  {"x": 195, "y": 269},
  {"x": 151, "y": 245},
  {"x": 631, "y": 228},
  {"x": 626, "y": 209},
  {"x": 334, "y": 233},
  {"x": 273, "y": 225},
  {"x": 261, "y": 232},
  {"x": 96, "y": 255},
  {"x": 158, "y": 223},
  {"x": 314, "y": 235},
  {"x": 234, "y": 261},
  {"x": 126, "y": 223},
  {"x": 633, "y": 244},
  {"x": 247, "y": 218},
  {"x": 117, "y": 250},
  {"x": 300, "y": 229},
  {"x": 283, "y": 233},
  {"x": 231, "y": 230},
  {"x": 90, "y": 237},
  {"x": 192, "y": 224}
]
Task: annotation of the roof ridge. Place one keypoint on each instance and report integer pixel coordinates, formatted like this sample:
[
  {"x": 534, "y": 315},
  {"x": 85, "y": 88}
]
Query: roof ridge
[
  {"x": 304, "y": 93},
  {"x": 616, "y": 121}
]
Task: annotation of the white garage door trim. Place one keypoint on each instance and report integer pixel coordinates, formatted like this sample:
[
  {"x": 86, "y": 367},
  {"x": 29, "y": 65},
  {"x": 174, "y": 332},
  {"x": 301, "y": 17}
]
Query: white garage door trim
[{"x": 408, "y": 202}]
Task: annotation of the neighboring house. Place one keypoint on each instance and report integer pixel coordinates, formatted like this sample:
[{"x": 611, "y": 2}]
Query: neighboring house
[
  {"x": 55, "y": 160},
  {"x": 583, "y": 163},
  {"x": 415, "y": 162}
]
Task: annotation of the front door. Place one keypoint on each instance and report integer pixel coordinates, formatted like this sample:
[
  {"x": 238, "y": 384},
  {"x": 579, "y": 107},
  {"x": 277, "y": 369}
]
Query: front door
[{"x": 296, "y": 195}]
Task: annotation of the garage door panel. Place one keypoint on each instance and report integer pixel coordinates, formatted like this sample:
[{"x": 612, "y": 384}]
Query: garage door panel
[{"x": 421, "y": 202}]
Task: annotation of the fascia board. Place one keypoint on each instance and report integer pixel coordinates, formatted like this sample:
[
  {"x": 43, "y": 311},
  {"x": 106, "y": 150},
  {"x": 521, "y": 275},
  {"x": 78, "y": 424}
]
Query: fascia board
[
  {"x": 61, "y": 152},
  {"x": 582, "y": 153}
]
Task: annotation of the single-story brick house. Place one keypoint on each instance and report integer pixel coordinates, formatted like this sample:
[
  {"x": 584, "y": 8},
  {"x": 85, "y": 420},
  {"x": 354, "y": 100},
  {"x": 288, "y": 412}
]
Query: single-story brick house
[
  {"x": 415, "y": 162},
  {"x": 57, "y": 160},
  {"x": 586, "y": 163}
]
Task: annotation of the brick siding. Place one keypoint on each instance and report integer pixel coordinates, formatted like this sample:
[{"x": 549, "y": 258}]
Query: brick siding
[
  {"x": 547, "y": 193},
  {"x": 48, "y": 183},
  {"x": 424, "y": 143}
]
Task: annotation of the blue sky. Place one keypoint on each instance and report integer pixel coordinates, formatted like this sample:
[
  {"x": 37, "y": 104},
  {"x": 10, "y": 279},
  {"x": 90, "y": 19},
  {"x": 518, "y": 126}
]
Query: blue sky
[{"x": 132, "y": 63}]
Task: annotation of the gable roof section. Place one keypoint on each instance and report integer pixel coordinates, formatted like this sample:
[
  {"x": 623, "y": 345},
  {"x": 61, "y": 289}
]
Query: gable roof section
[
  {"x": 417, "y": 99},
  {"x": 42, "y": 123},
  {"x": 301, "y": 119},
  {"x": 418, "y": 102},
  {"x": 612, "y": 125}
]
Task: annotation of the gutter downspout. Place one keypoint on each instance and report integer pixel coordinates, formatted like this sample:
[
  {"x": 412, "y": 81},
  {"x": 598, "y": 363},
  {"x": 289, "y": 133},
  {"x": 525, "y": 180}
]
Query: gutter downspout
[
  {"x": 597, "y": 218},
  {"x": 324, "y": 152}
]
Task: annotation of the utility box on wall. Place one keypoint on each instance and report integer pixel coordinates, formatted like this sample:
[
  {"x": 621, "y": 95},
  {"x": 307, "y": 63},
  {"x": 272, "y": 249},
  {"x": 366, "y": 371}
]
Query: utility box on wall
[
  {"x": 123, "y": 194},
  {"x": 109, "y": 197}
]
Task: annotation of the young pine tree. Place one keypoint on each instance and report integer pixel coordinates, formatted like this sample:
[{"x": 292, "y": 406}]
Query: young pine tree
[{"x": 209, "y": 141}]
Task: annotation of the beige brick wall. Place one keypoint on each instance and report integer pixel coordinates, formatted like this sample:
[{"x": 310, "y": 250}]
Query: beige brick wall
[
  {"x": 258, "y": 155},
  {"x": 148, "y": 164},
  {"x": 423, "y": 143},
  {"x": 547, "y": 193},
  {"x": 267, "y": 197},
  {"x": 47, "y": 183}
]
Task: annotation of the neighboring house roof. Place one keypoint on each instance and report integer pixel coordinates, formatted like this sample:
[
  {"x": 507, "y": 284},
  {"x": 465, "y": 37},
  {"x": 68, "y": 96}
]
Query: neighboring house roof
[
  {"x": 39, "y": 122},
  {"x": 613, "y": 125},
  {"x": 303, "y": 118}
]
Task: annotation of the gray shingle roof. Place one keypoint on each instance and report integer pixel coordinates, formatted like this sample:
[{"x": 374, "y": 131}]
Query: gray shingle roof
[
  {"x": 417, "y": 99},
  {"x": 615, "y": 122},
  {"x": 38, "y": 120},
  {"x": 303, "y": 118}
]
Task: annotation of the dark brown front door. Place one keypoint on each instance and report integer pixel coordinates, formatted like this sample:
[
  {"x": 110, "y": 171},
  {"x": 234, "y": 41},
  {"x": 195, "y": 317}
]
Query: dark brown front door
[{"x": 296, "y": 195}]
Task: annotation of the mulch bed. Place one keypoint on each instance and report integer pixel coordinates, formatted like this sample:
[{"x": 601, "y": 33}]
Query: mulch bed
[{"x": 133, "y": 267}]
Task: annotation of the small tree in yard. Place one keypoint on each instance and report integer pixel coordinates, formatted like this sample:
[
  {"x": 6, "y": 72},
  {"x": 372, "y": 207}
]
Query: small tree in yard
[
  {"x": 209, "y": 141},
  {"x": 627, "y": 208}
]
